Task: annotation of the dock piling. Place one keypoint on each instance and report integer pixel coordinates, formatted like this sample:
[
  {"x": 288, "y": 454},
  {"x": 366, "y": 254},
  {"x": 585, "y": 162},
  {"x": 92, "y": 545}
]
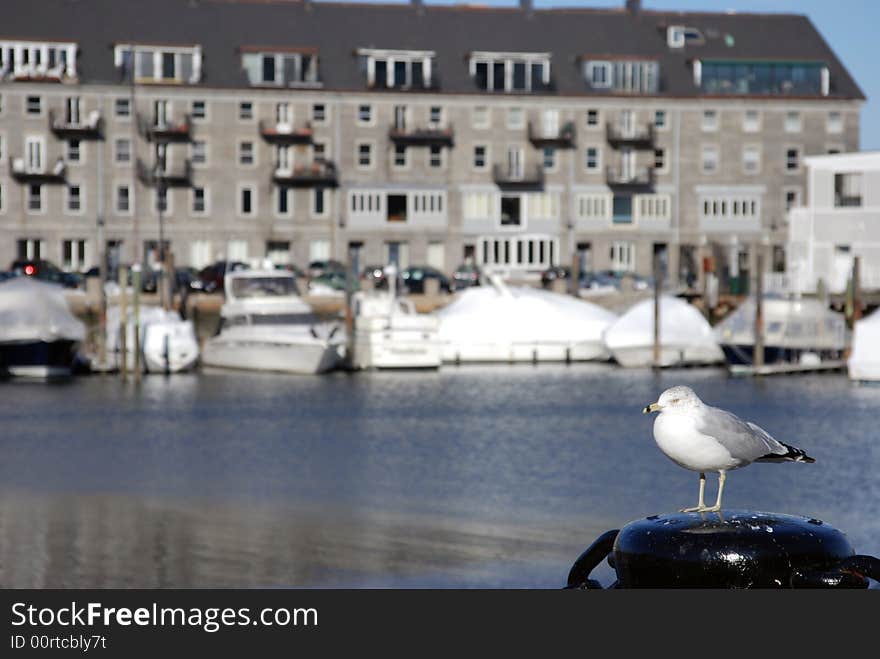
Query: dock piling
[{"x": 123, "y": 321}]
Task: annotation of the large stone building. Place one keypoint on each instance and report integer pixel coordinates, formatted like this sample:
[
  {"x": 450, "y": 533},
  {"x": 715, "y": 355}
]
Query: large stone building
[{"x": 427, "y": 134}]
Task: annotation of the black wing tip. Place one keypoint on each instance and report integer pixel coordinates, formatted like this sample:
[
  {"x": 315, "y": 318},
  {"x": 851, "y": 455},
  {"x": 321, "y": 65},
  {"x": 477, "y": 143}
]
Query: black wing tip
[{"x": 792, "y": 454}]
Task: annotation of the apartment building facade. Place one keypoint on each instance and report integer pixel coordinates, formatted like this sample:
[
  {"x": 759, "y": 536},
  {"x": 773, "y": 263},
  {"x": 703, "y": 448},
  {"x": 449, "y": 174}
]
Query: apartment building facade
[{"x": 515, "y": 136}]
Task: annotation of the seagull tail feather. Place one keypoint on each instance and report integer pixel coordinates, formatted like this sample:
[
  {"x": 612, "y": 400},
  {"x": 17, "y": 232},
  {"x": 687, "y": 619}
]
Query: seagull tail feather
[{"x": 792, "y": 454}]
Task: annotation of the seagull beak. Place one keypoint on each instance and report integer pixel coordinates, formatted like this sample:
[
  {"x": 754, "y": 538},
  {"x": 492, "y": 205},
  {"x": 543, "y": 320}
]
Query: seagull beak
[{"x": 653, "y": 407}]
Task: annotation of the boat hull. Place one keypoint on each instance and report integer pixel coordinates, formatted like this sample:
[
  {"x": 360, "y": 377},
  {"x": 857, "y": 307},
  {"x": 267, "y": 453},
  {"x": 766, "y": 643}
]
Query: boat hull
[
  {"x": 643, "y": 356},
  {"x": 395, "y": 350},
  {"x": 523, "y": 352},
  {"x": 744, "y": 354},
  {"x": 299, "y": 358},
  {"x": 38, "y": 359}
]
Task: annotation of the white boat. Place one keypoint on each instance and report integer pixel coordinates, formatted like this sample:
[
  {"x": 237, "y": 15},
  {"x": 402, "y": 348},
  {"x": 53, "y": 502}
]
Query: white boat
[
  {"x": 685, "y": 336},
  {"x": 390, "y": 333},
  {"x": 500, "y": 323},
  {"x": 168, "y": 344},
  {"x": 39, "y": 336},
  {"x": 266, "y": 326},
  {"x": 864, "y": 360},
  {"x": 796, "y": 330}
]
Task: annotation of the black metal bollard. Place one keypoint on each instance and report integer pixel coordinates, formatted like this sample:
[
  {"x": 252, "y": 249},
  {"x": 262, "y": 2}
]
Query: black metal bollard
[{"x": 727, "y": 549}]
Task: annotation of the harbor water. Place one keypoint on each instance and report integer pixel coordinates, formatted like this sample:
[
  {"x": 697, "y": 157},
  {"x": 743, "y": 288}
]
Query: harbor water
[{"x": 467, "y": 477}]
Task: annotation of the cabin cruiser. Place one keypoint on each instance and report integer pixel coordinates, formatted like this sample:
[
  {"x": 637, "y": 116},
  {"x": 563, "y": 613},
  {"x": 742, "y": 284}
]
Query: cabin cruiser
[
  {"x": 39, "y": 336},
  {"x": 167, "y": 343},
  {"x": 863, "y": 364},
  {"x": 686, "y": 339},
  {"x": 266, "y": 326},
  {"x": 390, "y": 333},
  {"x": 501, "y": 323},
  {"x": 796, "y": 330}
]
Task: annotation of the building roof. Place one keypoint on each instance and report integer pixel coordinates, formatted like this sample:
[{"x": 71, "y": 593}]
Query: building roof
[
  {"x": 855, "y": 161},
  {"x": 337, "y": 30}
]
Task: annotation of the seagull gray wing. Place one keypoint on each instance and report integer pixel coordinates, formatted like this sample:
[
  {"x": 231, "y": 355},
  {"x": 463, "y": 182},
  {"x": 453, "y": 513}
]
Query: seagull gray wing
[{"x": 742, "y": 439}]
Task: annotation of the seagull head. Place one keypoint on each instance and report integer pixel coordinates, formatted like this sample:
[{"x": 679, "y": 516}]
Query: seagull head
[{"x": 674, "y": 398}]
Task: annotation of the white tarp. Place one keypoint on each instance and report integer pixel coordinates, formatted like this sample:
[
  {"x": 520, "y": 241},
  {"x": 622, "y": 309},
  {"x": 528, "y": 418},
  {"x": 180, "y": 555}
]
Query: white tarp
[
  {"x": 33, "y": 310},
  {"x": 682, "y": 330},
  {"x": 864, "y": 361}
]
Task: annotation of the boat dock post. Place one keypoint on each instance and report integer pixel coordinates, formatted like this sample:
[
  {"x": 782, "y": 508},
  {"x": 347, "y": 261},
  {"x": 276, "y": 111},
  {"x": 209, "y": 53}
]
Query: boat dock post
[
  {"x": 658, "y": 284},
  {"x": 758, "y": 353},
  {"x": 136, "y": 318},
  {"x": 123, "y": 321},
  {"x": 856, "y": 290}
]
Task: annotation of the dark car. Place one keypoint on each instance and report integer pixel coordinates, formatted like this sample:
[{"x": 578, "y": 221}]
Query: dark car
[
  {"x": 318, "y": 268},
  {"x": 290, "y": 267},
  {"x": 46, "y": 271},
  {"x": 375, "y": 274},
  {"x": 552, "y": 274},
  {"x": 4, "y": 275},
  {"x": 414, "y": 278},
  {"x": 467, "y": 274},
  {"x": 210, "y": 278}
]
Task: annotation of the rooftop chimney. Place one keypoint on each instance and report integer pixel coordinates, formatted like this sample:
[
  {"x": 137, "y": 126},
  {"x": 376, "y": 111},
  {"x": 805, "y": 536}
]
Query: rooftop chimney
[{"x": 633, "y": 6}]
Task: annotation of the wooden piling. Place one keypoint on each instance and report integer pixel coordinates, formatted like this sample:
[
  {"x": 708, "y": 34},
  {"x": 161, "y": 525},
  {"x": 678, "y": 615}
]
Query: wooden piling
[
  {"x": 123, "y": 321},
  {"x": 758, "y": 353},
  {"x": 658, "y": 285},
  {"x": 136, "y": 319},
  {"x": 575, "y": 283},
  {"x": 856, "y": 289}
]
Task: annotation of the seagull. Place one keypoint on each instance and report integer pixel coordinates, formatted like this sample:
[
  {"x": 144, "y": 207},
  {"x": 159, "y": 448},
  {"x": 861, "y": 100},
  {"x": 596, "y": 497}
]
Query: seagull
[{"x": 703, "y": 438}]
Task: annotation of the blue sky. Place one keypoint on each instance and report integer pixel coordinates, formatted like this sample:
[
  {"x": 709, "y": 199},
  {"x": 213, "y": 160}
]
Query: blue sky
[{"x": 849, "y": 27}]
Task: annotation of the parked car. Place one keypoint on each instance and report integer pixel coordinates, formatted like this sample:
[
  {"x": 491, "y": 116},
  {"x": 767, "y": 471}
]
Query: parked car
[
  {"x": 4, "y": 275},
  {"x": 376, "y": 274},
  {"x": 552, "y": 274},
  {"x": 414, "y": 278},
  {"x": 210, "y": 277},
  {"x": 332, "y": 279},
  {"x": 465, "y": 275},
  {"x": 290, "y": 267},
  {"x": 318, "y": 268},
  {"x": 46, "y": 271}
]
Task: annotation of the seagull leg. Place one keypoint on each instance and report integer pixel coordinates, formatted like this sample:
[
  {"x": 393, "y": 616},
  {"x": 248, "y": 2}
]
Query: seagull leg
[
  {"x": 721, "y": 476},
  {"x": 700, "y": 505}
]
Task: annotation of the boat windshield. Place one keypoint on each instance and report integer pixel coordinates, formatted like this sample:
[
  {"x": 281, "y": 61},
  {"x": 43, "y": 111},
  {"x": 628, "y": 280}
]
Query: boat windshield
[
  {"x": 270, "y": 319},
  {"x": 255, "y": 287}
]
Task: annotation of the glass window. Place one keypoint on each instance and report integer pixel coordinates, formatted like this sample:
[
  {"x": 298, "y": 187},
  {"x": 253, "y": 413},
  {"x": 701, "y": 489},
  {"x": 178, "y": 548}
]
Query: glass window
[
  {"x": 365, "y": 113},
  {"x": 592, "y": 117},
  {"x": 199, "y": 110},
  {"x": 122, "y": 107},
  {"x": 246, "y": 153},
  {"x": 660, "y": 118},
  {"x": 319, "y": 112},
  {"x": 245, "y": 110},
  {"x": 480, "y": 156}
]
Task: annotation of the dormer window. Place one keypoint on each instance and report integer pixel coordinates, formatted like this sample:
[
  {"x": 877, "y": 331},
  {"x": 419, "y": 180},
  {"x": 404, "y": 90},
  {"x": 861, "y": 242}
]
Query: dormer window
[
  {"x": 398, "y": 69},
  {"x": 37, "y": 60},
  {"x": 631, "y": 76},
  {"x": 159, "y": 64},
  {"x": 511, "y": 72},
  {"x": 770, "y": 77},
  {"x": 678, "y": 36},
  {"x": 281, "y": 68}
]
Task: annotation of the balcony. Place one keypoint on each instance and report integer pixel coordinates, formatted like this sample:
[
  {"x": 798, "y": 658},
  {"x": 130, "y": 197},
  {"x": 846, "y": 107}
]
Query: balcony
[
  {"x": 636, "y": 138},
  {"x": 38, "y": 73},
  {"x": 321, "y": 173},
  {"x": 178, "y": 176},
  {"x": 524, "y": 178},
  {"x": 286, "y": 133},
  {"x": 23, "y": 173},
  {"x": 165, "y": 131},
  {"x": 430, "y": 136},
  {"x": 563, "y": 138},
  {"x": 641, "y": 178},
  {"x": 90, "y": 129}
]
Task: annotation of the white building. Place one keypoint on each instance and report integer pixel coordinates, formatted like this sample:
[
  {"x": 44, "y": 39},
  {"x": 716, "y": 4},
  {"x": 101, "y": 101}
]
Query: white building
[{"x": 839, "y": 221}]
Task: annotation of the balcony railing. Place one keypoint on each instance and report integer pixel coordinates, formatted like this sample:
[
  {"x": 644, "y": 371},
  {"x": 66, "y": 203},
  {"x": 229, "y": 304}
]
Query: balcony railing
[
  {"x": 518, "y": 178},
  {"x": 24, "y": 173},
  {"x": 91, "y": 128},
  {"x": 642, "y": 177},
  {"x": 563, "y": 138},
  {"x": 38, "y": 73},
  {"x": 637, "y": 138},
  {"x": 431, "y": 135},
  {"x": 166, "y": 131},
  {"x": 175, "y": 176},
  {"x": 321, "y": 173},
  {"x": 286, "y": 133}
]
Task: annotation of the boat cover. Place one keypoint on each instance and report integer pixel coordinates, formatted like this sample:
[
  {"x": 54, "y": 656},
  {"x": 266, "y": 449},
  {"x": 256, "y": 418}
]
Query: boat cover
[
  {"x": 681, "y": 325},
  {"x": 34, "y": 310},
  {"x": 864, "y": 361}
]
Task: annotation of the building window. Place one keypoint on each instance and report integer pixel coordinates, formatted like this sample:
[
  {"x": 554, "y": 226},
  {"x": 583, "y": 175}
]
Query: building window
[
  {"x": 481, "y": 160},
  {"x": 365, "y": 155},
  {"x": 199, "y": 110},
  {"x": 522, "y": 72},
  {"x": 660, "y": 159},
  {"x": 165, "y": 63},
  {"x": 621, "y": 209},
  {"x": 365, "y": 114},
  {"x": 74, "y": 153},
  {"x": 751, "y": 158},
  {"x": 792, "y": 198},
  {"x": 760, "y": 78},
  {"x": 247, "y": 201},
  {"x": 792, "y": 159},
  {"x": 399, "y": 156},
  {"x": 592, "y": 206},
  {"x": 397, "y": 69},
  {"x": 835, "y": 122},
  {"x": 2, "y": 198},
  {"x": 729, "y": 208},
  {"x": 623, "y": 256},
  {"x": 751, "y": 121},
  {"x": 246, "y": 155},
  {"x": 847, "y": 189},
  {"x": 592, "y": 118},
  {"x": 199, "y": 202},
  {"x": 435, "y": 156},
  {"x": 73, "y": 255},
  {"x": 592, "y": 161},
  {"x": 510, "y": 211},
  {"x": 34, "y": 60},
  {"x": 710, "y": 158},
  {"x": 543, "y": 206},
  {"x": 435, "y": 116},
  {"x": 319, "y": 202},
  {"x": 122, "y": 150},
  {"x": 653, "y": 206},
  {"x": 660, "y": 119},
  {"x": 481, "y": 117},
  {"x": 319, "y": 152},
  {"x": 35, "y": 197},
  {"x": 245, "y": 111},
  {"x": 792, "y": 122},
  {"x": 123, "y": 199},
  {"x": 516, "y": 118},
  {"x": 710, "y": 120},
  {"x": 162, "y": 199},
  {"x": 478, "y": 205},
  {"x": 319, "y": 113},
  {"x": 629, "y": 76},
  {"x": 282, "y": 197},
  {"x": 122, "y": 108},
  {"x": 199, "y": 152},
  {"x": 33, "y": 105},
  {"x": 281, "y": 69},
  {"x": 549, "y": 158},
  {"x": 74, "y": 198}
]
